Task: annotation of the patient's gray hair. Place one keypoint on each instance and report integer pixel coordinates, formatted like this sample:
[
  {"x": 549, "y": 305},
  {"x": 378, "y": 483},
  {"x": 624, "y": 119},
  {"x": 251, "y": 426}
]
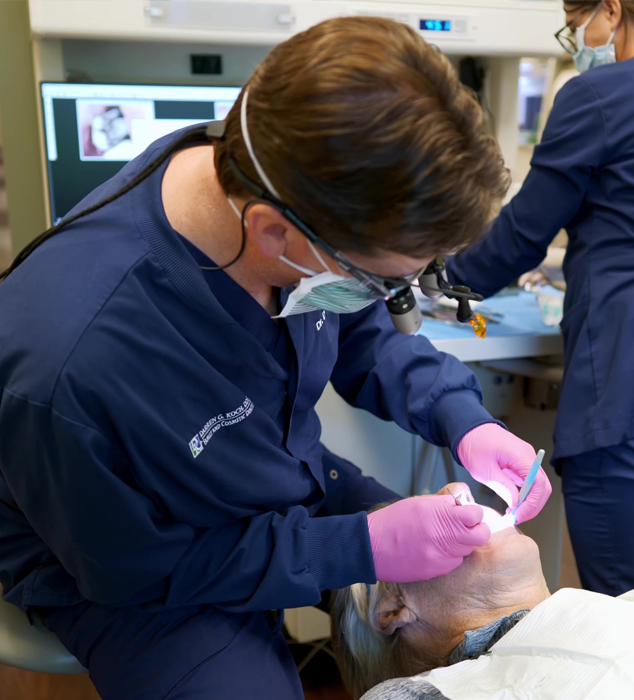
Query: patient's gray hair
[{"x": 364, "y": 655}]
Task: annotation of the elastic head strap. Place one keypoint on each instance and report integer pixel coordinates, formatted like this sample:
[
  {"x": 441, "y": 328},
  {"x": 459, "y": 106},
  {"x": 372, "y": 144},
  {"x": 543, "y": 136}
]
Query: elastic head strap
[{"x": 249, "y": 145}]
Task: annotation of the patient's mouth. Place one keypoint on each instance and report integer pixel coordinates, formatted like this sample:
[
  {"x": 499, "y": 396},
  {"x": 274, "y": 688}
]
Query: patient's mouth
[{"x": 497, "y": 522}]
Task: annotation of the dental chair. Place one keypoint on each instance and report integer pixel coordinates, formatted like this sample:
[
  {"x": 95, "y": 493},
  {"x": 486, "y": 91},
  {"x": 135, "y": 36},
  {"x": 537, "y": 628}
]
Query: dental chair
[{"x": 32, "y": 646}]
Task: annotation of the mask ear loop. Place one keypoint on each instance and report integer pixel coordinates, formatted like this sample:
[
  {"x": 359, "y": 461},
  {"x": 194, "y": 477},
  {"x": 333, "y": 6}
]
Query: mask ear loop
[
  {"x": 240, "y": 215},
  {"x": 307, "y": 270},
  {"x": 592, "y": 16},
  {"x": 263, "y": 176},
  {"x": 317, "y": 254},
  {"x": 611, "y": 39},
  {"x": 583, "y": 27}
]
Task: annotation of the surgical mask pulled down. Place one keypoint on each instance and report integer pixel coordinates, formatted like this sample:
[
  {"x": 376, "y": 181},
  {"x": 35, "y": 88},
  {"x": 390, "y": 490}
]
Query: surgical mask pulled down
[
  {"x": 321, "y": 291},
  {"x": 590, "y": 57}
]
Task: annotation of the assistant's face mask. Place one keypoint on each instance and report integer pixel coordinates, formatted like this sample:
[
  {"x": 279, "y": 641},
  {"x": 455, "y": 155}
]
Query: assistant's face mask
[
  {"x": 590, "y": 57},
  {"x": 322, "y": 291}
]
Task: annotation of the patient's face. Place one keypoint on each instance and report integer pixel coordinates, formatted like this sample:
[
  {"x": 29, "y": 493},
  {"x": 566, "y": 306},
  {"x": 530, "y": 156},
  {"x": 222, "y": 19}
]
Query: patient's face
[{"x": 499, "y": 578}]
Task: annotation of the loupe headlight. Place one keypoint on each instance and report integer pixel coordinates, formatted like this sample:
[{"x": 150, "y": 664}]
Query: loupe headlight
[{"x": 404, "y": 311}]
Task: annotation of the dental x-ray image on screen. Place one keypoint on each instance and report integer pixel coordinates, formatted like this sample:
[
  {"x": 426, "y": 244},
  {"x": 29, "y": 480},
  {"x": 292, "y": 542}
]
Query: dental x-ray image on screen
[{"x": 92, "y": 131}]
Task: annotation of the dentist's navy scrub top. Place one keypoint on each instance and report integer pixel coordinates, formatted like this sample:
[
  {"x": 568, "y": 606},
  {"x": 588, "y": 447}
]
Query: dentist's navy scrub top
[
  {"x": 581, "y": 179},
  {"x": 159, "y": 445}
]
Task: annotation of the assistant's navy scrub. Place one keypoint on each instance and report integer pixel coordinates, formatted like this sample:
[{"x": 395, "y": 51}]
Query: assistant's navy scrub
[
  {"x": 162, "y": 482},
  {"x": 582, "y": 179}
]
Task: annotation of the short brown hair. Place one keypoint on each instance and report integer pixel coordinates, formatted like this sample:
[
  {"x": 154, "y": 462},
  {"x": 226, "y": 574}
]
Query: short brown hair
[{"x": 368, "y": 135}]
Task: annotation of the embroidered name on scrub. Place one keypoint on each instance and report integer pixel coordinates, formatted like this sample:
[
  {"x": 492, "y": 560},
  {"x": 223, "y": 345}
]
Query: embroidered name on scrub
[{"x": 223, "y": 420}]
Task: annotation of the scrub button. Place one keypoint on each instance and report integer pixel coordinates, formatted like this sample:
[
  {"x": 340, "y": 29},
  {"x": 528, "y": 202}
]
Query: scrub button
[{"x": 334, "y": 474}]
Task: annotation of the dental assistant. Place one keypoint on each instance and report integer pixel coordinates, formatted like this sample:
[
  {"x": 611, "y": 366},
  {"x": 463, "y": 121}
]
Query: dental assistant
[
  {"x": 162, "y": 482},
  {"x": 582, "y": 179}
]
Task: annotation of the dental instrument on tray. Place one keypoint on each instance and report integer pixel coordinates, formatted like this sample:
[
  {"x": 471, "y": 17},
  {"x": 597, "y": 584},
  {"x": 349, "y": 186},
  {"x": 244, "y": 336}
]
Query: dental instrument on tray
[{"x": 445, "y": 315}]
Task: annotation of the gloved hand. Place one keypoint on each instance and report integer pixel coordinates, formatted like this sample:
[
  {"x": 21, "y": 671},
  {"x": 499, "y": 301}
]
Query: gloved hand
[
  {"x": 422, "y": 537},
  {"x": 501, "y": 461}
]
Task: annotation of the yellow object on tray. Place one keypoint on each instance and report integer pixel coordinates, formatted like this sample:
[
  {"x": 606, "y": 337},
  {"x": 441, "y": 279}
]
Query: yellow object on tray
[{"x": 479, "y": 326}]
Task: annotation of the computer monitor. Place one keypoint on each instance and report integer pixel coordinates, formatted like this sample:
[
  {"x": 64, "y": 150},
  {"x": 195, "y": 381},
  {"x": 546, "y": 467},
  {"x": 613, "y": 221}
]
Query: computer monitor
[{"x": 92, "y": 131}]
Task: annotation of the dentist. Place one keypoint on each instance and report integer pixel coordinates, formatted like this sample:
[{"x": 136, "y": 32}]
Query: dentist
[{"x": 163, "y": 487}]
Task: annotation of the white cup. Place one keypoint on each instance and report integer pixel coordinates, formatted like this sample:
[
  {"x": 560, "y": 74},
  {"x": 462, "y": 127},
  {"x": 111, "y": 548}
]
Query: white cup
[{"x": 552, "y": 308}]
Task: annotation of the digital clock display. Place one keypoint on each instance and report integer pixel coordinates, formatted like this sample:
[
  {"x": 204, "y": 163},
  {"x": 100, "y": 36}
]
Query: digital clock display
[{"x": 435, "y": 25}]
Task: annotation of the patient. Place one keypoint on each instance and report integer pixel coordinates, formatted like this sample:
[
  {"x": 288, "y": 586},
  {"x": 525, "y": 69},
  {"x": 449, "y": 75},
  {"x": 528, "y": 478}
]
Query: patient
[{"x": 393, "y": 631}]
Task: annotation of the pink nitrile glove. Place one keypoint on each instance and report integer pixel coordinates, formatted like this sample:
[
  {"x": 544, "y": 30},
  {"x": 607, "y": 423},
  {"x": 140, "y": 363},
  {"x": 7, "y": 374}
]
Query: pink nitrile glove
[
  {"x": 500, "y": 460},
  {"x": 423, "y": 537}
]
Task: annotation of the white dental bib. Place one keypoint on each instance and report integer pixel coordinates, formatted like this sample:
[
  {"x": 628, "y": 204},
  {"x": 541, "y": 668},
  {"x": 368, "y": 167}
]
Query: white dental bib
[{"x": 576, "y": 645}]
